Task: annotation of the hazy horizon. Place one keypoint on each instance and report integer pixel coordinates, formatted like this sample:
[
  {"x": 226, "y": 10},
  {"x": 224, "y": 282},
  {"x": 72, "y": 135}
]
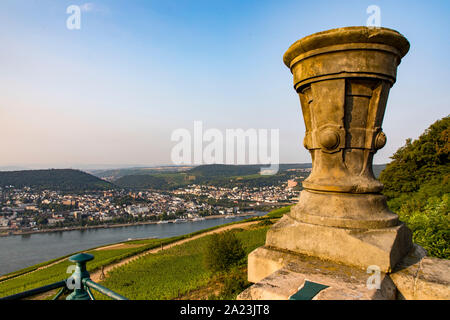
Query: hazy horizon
[{"x": 117, "y": 167}]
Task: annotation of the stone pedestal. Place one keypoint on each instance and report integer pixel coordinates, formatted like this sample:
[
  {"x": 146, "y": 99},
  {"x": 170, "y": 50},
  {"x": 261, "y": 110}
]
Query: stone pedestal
[
  {"x": 280, "y": 274},
  {"x": 288, "y": 273},
  {"x": 343, "y": 77},
  {"x": 361, "y": 248}
]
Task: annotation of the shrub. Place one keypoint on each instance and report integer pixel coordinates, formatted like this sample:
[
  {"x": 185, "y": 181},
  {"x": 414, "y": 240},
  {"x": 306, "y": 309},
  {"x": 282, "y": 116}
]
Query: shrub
[
  {"x": 223, "y": 251},
  {"x": 417, "y": 184},
  {"x": 430, "y": 224},
  {"x": 234, "y": 284},
  {"x": 264, "y": 223}
]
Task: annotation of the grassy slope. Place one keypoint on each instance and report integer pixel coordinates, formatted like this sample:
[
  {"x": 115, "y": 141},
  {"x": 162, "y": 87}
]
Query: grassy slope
[
  {"x": 174, "y": 272},
  {"x": 278, "y": 213}
]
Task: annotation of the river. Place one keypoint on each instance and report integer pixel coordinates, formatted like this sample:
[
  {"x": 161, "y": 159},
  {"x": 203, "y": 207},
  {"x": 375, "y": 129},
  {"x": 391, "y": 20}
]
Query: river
[{"x": 21, "y": 251}]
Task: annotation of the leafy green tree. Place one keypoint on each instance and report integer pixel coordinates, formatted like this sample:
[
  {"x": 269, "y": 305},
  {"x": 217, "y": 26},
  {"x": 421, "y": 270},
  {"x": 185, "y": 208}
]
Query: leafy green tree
[
  {"x": 423, "y": 161},
  {"x": 224, "y": 250},
  {"x": 430, "y": 225},
  {"x": 417, "y": 184}
]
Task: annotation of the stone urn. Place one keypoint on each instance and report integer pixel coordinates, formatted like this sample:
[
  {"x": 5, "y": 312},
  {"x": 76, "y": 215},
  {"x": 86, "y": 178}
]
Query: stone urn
[{"x": 343, "y": 77}]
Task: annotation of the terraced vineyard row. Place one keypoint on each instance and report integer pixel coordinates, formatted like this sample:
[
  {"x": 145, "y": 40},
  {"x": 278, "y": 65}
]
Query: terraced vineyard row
[{"x": 171, "y": 273}]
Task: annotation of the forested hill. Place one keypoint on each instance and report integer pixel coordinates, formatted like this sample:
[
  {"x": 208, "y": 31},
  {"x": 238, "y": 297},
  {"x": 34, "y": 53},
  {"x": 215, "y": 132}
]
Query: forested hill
[
  {"x": 221, "y": 170},
  {"x": 214, "y": 174},
  {"x": 144, "y": 181},
  {"x": 53, "y": 179},
  {"x": 417, "y": 184}
]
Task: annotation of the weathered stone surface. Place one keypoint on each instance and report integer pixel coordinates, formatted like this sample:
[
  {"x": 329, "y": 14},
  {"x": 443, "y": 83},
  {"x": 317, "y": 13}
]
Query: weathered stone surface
[
  {"x": 356, "y": 247},
  {"x": 419, "y": 277},
  {"x": 341, "y": 224},
  {"x": 344, "y": 282},
  {"x": 343, "y": 77},
  {"x": 344, "y": 210},
  {"x": 264, "y": 261},
  {"x": 278, "y": 286},
  {"x": 346, "y": 35}
]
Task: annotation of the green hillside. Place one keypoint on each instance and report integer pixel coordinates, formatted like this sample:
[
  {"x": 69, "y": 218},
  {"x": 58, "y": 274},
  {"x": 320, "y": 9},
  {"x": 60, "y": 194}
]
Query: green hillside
[
  {"x": 53, "y": 179},
  {"x": 141, "y": 182},
  {"x": 417, "y": 184},
  {"x": 214, "y": 174},
  {"x": 115, "y": 174},
  {"x": 221, "y": 170}
]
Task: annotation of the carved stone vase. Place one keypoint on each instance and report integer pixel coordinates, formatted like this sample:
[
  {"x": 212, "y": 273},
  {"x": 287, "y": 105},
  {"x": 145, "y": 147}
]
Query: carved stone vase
[{"x": 343, "y": 77}]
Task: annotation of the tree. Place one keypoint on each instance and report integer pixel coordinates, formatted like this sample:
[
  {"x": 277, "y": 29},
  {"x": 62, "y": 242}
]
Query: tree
[
  {"x": 423, "y": 161},
  {"x": 224, "y": 250},
  {"x": 417, "y": 184}
]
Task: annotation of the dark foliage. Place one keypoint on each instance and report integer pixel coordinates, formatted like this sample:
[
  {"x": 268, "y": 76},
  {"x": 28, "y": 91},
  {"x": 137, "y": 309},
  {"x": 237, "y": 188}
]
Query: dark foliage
[
  {"x": 53, "y": 179},
  {"x": 417, "y": 184},
  {"x": 141, "y": 182},
  {"x": 224, "y": 250},
  {"x": 217, "y": 170},
  {"x": 423, "y": 161}
]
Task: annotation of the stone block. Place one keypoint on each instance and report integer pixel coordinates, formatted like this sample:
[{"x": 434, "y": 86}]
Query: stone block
[
  {"x": 419, "y": 277},
  {"x": 344, "y": 282},
  {"x": 356, "y": 247}
]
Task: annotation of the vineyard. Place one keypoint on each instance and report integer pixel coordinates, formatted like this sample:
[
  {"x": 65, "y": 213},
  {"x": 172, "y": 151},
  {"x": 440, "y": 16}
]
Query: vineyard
[
  {"x": 164, "y": 275},
  {"x": 171, "y": 273},
  {"x": 57, "y": 271}
]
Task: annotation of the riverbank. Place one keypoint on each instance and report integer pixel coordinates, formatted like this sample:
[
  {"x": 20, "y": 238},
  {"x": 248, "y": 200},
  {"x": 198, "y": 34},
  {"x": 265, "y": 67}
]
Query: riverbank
[
  {"x": 119, "y": 225},
  {"x": 107, "y": 256},
  {"x": 19, "y": 252}
]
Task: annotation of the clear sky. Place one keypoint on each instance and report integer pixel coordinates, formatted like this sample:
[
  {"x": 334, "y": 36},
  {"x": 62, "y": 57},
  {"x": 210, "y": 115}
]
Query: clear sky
[{"x": 112, "y": 92}]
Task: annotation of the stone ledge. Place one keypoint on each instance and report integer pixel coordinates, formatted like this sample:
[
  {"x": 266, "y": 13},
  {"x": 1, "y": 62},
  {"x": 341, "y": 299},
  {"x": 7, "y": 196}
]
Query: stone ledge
[
  {"x": 356, "y": 247},
  {"x": 278, "y": 274},
  {"x": 344, "y": 282},
  {"x": 419, "y": 277}
]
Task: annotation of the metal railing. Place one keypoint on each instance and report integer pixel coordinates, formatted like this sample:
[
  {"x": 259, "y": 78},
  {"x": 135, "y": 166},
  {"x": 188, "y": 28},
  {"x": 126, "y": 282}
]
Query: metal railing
[{"x": 79, "y": 284}]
